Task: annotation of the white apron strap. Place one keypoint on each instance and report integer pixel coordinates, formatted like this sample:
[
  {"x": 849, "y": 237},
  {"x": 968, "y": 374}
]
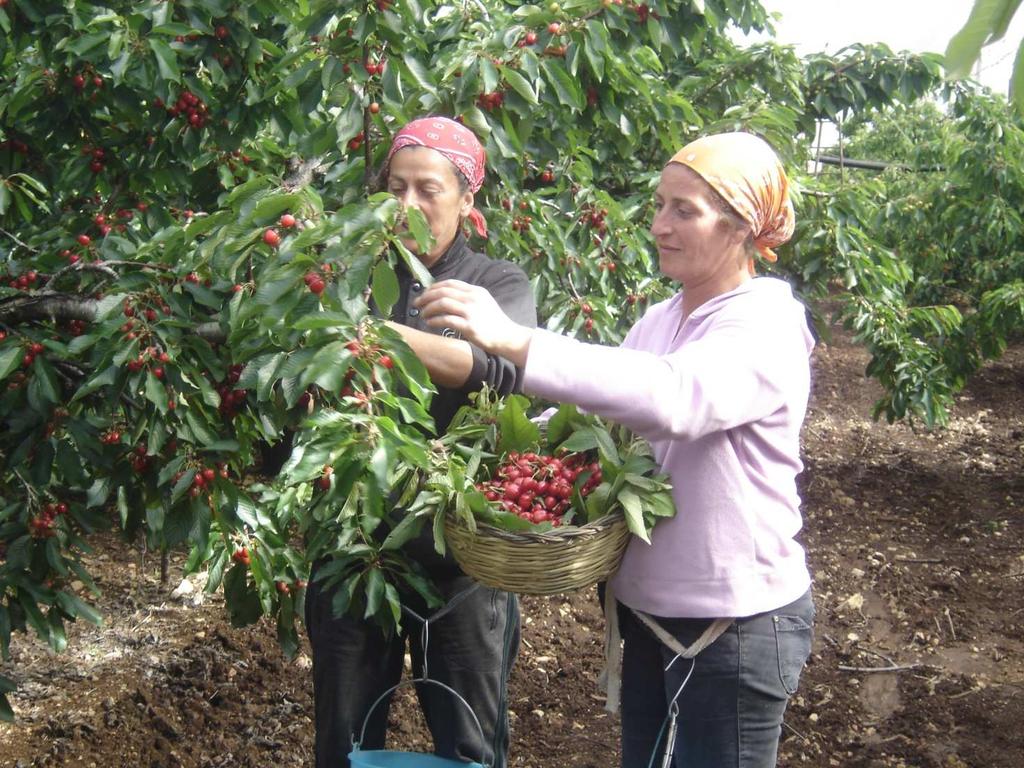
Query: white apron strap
[{"x": 610, "y": 680}]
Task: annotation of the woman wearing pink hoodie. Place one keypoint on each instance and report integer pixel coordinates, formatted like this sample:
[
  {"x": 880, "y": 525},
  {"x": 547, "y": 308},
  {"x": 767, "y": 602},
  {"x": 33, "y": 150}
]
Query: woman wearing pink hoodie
[{"x": 716, "y": 612}]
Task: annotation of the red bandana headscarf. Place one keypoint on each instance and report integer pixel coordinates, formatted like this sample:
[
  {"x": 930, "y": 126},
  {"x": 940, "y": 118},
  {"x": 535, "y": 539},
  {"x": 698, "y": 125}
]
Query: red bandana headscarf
[
  {"x": 458, "y": 145},
  {"x": 744, "y": 170}
]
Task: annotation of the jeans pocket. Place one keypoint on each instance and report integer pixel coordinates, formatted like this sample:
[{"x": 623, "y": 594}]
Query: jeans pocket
[{"x": 793, "y": 635}]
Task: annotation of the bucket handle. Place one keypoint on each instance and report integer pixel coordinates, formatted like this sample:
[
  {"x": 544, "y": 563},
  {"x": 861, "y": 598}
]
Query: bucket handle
[{"x": 403, "y": 684}]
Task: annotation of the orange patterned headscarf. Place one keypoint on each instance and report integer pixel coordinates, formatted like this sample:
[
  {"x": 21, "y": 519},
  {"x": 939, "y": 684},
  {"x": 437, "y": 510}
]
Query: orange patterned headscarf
[{"x": 744, "y": 170}]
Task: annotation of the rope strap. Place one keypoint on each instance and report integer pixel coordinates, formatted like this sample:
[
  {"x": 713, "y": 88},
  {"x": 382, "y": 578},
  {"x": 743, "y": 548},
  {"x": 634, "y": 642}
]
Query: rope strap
[{"x": 610, "y": 680}]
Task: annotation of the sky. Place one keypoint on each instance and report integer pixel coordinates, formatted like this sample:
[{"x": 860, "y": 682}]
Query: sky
[{"x": 915, "y": 25}]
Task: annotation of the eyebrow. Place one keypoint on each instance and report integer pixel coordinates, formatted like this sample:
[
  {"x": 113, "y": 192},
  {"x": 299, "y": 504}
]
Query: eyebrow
[
  {"x": 419, "y": 181},
  {"x": 670, "y": 199}
]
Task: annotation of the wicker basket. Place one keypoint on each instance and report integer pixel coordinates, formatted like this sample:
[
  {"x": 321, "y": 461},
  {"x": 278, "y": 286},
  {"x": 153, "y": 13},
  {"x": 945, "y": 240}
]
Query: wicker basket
[{"x": 536, "y": 563}]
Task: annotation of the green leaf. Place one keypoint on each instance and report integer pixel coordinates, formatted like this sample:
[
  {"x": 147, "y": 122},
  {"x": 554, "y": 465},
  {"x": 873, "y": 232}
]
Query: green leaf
[
  {"x": 407, "y": 529},
  {"x": 384, "y": 287},
  {"x": 519, "y": 84},
  {"x": 104, "y": 378},
  {"x": 420, "y": 73},
  {"x": 242, "y": 600},
  {"x": 166, "y": 59},
  {"x": 634, "y": 514},
  {"x": 566, "y": 87},
  {"x": 515, "y": 430},
  {"x": 10, "y": 356},
  {"x": 605, "y": 444},
  {"x": 156, "y": 392},
  {"x": 580, "y": 441},
  {"x": 419, "y": 271},
  {"x": 86, "y": 43},
  {"x": 490, "y": 75},
  {"x": 76, "y": 608},
  {"x": 420, "y": 229},
  {"x": 374, "y": 592},
  {"x": 1017, "y": 80},
  {"x": 1002, "y": 22},
  {"x": 986, "y": 24}
]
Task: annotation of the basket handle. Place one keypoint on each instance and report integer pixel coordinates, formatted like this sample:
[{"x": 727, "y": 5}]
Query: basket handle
[{"x": 403, "y": 684}]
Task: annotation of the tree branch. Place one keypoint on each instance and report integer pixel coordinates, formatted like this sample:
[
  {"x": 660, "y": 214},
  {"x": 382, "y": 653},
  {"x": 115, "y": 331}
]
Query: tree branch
[
  {"x": 24, "y": 245},
  {"x": 62, "y": 306},
  {"x": 48, "y": 306}
]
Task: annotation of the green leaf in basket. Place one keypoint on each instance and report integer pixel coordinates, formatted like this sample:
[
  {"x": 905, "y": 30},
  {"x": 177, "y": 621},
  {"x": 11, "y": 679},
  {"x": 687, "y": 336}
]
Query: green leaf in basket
[
  {"x": 660, "y": 505},
  {"x": 560, "y": 425},
  {"x": 509, "y": 522},
  {"x": 515, "y": 430},
  {"x": 597, "y": 504},
  {"x": 581, "y": 441},
  {"x": 439, "y": 542},
  {"x": 606, "y": 445},
  {"x": 634, "y": 513}
]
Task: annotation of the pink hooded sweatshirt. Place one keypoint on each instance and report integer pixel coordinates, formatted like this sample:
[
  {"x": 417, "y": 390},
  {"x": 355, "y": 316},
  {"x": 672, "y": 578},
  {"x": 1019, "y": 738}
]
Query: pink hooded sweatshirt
[{"x": 721, "y": 397}]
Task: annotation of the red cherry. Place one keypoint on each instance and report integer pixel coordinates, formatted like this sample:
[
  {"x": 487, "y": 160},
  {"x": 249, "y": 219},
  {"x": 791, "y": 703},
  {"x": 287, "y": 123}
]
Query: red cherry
[
  {"x": 221, "y": 32},
  {"x": 271, "y": 238},
  {"x": 387, "y": 362},
  {"x": 78, "y": 81},
  {"x": 317, "y": 286},
  {"x": 530, "y": 38},
  {"x": 287, "y": 221},
  {"x": 83, "y": 239},
  {"x": 555, "y": 28},
  {"x": 374, "y": 107}
]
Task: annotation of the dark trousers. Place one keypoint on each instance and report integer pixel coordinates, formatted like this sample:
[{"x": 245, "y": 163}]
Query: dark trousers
[
  {"x": 731, "y": 708},
  {"x": 471, "y": 648}
]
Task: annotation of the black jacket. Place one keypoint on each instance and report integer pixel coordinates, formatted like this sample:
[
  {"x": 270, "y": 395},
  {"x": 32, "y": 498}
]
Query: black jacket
[{"x": 507, "y": 283}]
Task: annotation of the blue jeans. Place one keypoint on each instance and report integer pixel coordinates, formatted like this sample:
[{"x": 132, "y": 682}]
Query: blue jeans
[{"x": 730, "y": 710}]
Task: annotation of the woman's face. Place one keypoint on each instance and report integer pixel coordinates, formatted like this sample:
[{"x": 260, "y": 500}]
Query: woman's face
[
  {"x": 698, "y": 245},
  {"x": 423, "y": 177}
]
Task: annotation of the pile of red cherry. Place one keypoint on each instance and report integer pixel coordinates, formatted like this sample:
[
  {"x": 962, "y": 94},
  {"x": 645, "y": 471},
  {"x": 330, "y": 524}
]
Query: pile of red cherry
[{"x": 538, "y": 488}]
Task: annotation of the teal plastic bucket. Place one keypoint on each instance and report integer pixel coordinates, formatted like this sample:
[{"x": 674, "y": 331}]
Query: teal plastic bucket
[{"x": 380, "y": 758}]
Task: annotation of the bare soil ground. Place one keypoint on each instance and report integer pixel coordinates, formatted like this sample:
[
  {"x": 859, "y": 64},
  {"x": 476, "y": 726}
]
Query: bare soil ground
[{"x": 916, "y": 540}]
